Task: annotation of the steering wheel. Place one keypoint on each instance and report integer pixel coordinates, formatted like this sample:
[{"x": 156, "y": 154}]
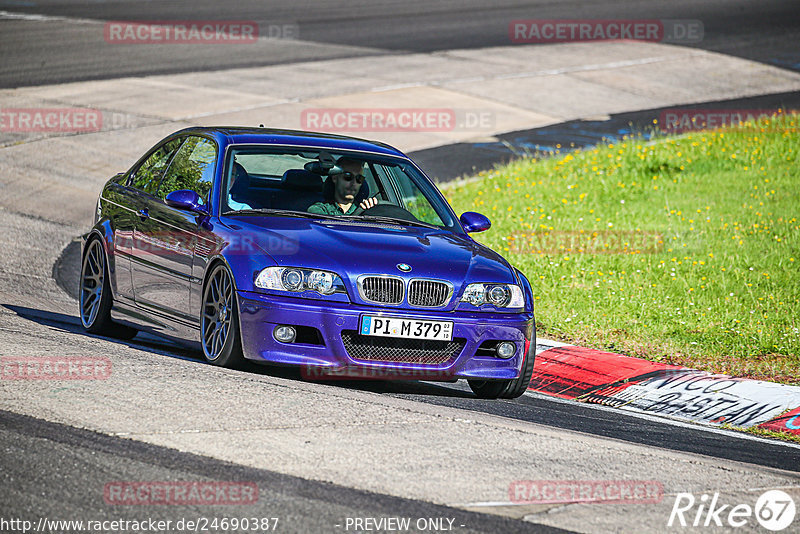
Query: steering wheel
[{"x": 390, "y": 210}]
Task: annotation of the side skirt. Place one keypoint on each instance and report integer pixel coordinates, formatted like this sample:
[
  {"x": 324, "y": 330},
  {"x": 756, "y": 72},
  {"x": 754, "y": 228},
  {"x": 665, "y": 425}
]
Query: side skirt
[{"x": 185, "y": 334}]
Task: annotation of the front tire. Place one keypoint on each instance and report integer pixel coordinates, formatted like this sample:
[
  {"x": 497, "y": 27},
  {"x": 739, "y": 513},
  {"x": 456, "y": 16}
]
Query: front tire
[
  {"x": 488, "y": 389},
  {"x": 507, "y": 389},
  {"x": 219, "y": 320},
  {"x": 520, "y": 385},
  {"x": 95, "y": 295}
]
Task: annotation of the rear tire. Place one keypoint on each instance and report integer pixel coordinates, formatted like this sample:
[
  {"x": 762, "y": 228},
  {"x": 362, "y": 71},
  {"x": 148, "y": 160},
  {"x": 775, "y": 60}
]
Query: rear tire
[{"x": 95, "y": 298}]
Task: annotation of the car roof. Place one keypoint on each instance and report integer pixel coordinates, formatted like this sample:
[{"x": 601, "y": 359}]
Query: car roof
[{"x": 270, "y": 136}]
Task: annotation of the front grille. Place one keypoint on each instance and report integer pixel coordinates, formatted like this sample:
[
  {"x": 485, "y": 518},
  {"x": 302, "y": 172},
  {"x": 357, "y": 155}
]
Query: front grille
[
  {"x": 398, "y": 350},
  {"x": 429, "y": 293},
  {"x": 381, "y": 289}
]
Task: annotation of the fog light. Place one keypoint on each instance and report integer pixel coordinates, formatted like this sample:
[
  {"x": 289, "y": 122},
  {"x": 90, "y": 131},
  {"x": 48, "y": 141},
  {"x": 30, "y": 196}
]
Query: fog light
[
  {"x": 285, "y": 334},
  {"x": 506, "y": 350}
]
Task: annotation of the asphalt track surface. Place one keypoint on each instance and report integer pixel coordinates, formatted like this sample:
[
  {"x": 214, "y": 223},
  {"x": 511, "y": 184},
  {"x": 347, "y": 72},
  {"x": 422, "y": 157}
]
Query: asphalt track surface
[
  {"x": 531, "y": 408},
  {"x": 63, "y": 50},
  {"x": 70, "y": 45},
  {"x": 59, "y": 469}
]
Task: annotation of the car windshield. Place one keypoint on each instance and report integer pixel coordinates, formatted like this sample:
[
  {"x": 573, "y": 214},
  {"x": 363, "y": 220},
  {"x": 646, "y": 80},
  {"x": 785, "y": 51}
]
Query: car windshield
[{"x": 270, "y": 181}]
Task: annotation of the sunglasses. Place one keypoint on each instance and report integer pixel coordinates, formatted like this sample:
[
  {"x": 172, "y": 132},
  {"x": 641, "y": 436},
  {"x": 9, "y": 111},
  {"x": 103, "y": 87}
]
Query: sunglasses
[{"x": 349, "y": 176}]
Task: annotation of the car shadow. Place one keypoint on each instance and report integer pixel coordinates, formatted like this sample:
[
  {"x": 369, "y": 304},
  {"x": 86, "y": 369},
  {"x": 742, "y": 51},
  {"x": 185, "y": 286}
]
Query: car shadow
[
  {"x": 412, "y": 387},
  {"x": 70, "y": 324}
]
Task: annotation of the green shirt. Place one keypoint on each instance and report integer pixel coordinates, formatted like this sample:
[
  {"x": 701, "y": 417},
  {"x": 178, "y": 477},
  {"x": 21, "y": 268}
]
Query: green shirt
[{"x": 331, "y": 208}]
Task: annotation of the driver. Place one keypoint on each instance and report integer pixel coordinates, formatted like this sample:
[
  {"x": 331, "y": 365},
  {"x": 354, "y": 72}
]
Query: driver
[{"x": 346, "y": 184}]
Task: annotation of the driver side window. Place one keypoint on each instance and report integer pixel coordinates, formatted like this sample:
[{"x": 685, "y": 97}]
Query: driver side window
[
  {"x": 147, "y": 177},
  {"x": 192, "y": 168},
  {"x": 412, "y": 199}
]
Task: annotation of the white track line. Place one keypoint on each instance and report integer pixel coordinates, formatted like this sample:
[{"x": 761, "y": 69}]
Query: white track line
[
  {"x": 10, "y": 15},
  {"x": 539, "y": 73}
]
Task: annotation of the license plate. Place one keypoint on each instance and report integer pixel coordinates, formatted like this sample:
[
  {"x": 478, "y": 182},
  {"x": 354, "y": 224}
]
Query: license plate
[{"x": 406, "y": 328}]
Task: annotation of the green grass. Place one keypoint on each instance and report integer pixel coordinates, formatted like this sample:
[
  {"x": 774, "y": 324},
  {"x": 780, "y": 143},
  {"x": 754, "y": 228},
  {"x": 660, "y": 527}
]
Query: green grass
[
  {"x": 764, "y": 433},
  {"x": 682, "y": 250}
]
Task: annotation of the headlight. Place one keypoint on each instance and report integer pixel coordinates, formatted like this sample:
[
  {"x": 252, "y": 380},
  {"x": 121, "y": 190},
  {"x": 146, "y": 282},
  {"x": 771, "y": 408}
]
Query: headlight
[
  {"x": 292, "y": 279},
  {"x": 321, "y": 281},
  {"x": 499, "y": 295},
  {"x": 296, "y": 280}
]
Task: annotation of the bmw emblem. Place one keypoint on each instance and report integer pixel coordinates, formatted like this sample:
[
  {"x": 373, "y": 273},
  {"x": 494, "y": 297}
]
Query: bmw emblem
[{"x": 406, "y": 268}]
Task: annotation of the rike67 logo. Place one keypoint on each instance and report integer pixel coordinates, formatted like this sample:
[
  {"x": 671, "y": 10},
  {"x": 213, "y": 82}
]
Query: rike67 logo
[{"x": 774, "y": 510}]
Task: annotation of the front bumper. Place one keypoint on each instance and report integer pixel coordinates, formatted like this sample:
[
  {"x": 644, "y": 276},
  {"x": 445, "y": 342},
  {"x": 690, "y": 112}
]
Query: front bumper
[{"x": 259, "y": 314}]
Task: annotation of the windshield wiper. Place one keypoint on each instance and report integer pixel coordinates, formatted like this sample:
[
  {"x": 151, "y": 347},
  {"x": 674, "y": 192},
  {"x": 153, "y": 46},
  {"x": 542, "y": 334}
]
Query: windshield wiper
[
  {"x": 393, "y": 220},
  {"x": 284, "y": 213}
]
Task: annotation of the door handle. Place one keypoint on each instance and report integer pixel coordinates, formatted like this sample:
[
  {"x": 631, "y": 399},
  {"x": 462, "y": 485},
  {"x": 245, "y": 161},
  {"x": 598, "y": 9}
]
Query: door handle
[{"x": 143, "y": 213}]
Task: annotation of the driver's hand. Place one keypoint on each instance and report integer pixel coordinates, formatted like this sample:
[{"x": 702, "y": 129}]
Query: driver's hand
[{"x": 368, "y": 203}]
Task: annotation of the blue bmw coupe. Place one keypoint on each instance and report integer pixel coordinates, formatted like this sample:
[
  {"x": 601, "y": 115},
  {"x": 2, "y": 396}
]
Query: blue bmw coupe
[{"x": 326, "y": 252}]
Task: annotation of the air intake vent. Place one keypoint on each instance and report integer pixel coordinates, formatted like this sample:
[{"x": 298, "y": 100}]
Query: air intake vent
[{"x": 412, "y": 351}]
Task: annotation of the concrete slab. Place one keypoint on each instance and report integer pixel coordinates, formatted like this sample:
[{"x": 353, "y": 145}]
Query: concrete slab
[
  {"x": 569, "y": 56},
  {"x": 697, "y": 78},
  {"x": 59, "y": 178},
  {"x": 406, "y": 69},
  {"x": 291, "y": 82},
  {"x": 631, "y": 81},
  {"x": 153, "y": 97},
  {"x": 278, "y": 116},
  {"x": 463, "y": 116},
  {"x": 564, "y": 96},
  {"x": 561, "y": 81}
]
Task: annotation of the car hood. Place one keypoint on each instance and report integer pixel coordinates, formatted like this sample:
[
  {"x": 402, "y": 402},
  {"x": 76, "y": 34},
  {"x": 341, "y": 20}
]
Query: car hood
[{"x": 354, "y": 248}]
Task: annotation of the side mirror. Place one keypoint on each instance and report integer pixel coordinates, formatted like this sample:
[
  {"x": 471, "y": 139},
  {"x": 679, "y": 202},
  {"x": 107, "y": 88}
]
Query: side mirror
[
  {"x": 474, "y": 222},
  {"x": 186, "y": 199}
]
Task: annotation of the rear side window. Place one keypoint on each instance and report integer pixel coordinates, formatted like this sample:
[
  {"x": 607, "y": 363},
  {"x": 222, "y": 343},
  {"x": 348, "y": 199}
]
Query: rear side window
[
  {"x": 192, "y": 168},
  {"x": 147, "y": 177}
]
